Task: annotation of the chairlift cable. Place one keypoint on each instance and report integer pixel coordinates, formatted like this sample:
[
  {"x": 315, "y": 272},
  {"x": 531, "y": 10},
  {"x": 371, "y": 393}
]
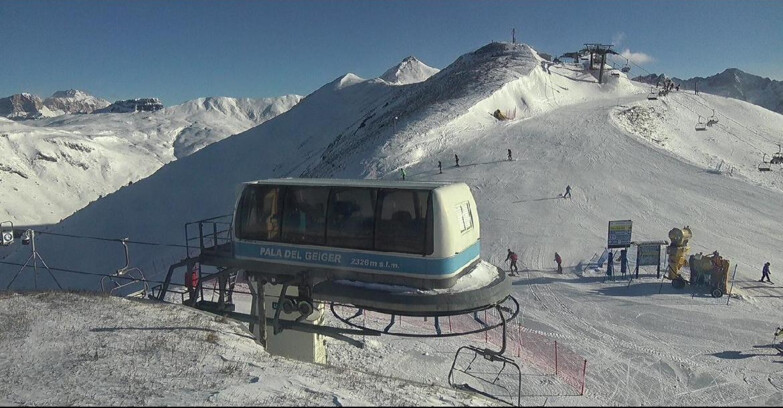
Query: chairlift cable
[{"x": 111, "y": 239}]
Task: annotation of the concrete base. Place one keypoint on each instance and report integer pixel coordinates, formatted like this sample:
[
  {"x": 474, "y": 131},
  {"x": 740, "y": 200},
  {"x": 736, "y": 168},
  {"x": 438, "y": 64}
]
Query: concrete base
[{"x": 308, "y": 347}]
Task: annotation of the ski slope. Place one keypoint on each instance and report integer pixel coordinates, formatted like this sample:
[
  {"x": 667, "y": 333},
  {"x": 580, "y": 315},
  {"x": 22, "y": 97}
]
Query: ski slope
[{"x": 626, "y": 157}]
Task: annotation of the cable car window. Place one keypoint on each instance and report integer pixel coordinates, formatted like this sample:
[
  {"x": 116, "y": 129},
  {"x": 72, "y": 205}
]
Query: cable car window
[
  {"x": 351, "y": 218},
  {"x": 402, "y": 220},
  {"x": 464, "y": 216},
  {"x": 259, "y": 213},
  {"x": 304, "y": 215}
]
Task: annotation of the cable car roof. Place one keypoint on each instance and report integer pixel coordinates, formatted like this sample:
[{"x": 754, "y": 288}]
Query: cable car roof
[{"x": 320, "y": 182}]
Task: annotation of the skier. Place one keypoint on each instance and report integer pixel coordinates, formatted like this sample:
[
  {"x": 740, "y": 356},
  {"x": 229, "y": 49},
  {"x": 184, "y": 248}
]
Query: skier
[
  {"x": 765, "y": 273},
  {"x": 513, "y": 258},
  {"x": 559, "y": 263},
  {"x": 456, "y": 159},
  {"x": 509, "y": 154},
  {"x": 440, "y": 168},
  {"x": 568, "y": 192},
  {"x": 402, "y": 171},
  {"x": 623, "y": 261},
  {"x": 610, "y": 264}
]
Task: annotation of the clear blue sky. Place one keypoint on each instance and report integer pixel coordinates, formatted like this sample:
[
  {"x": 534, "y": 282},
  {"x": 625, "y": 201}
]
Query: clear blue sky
[{"x": 181, "y": 50}]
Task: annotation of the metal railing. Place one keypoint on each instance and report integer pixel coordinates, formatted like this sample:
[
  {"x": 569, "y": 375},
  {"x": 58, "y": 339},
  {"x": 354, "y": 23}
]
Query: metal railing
[{"x": 209, "y": 236}]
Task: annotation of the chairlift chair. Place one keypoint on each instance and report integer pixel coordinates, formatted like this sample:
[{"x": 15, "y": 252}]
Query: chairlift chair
[
  {"x": 653, "y": 95},
  {"x": 777, "y": 158},
  {"x": 701, "y": 125},
  {"x": 627, "y": 67},
  {"x": 764, "y": 165},
  {"x": 712, "y": 119}
]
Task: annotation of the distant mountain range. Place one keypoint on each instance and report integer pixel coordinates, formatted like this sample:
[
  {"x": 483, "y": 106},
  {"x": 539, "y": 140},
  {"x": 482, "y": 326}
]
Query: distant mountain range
[
  {"x": 28, "y": 106},
  {"x": 732, "y": 83}
]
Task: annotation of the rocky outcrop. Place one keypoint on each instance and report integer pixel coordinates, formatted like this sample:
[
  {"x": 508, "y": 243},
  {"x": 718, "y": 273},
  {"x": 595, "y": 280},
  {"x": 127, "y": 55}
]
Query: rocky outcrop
[
  {"x": 22, "y": 106},
  {"x": 133, "y": 105}
]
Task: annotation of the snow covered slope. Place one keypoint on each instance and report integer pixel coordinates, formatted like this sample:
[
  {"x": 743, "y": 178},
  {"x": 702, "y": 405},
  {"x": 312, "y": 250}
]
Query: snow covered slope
[
  {"x": 625, "y": 156},
  {"x": 52, "y": 167},
  {"x": 409, "y": 71},
  {"x": 111, "y": 351}
]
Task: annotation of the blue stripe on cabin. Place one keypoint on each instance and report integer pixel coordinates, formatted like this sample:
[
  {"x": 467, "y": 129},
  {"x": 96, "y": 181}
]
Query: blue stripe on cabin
[{"x": 348, "y": 259}]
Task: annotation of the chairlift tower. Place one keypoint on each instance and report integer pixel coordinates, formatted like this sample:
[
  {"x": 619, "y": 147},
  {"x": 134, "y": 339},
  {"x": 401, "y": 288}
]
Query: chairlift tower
[{"x": 599, "y": 49}]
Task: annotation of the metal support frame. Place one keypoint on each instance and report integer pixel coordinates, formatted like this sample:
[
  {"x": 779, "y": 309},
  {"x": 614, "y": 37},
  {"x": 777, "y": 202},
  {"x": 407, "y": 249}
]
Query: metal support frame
[{"x": 34, "y": 256}]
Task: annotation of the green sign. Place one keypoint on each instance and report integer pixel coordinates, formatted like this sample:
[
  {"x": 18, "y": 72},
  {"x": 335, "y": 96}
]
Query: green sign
[{"x": 649, "y": 255}]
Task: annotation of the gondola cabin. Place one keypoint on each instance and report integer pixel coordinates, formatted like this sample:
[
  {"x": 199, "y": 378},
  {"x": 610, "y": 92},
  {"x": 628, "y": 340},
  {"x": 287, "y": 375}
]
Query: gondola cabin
[{"x": 417, "y": 234}]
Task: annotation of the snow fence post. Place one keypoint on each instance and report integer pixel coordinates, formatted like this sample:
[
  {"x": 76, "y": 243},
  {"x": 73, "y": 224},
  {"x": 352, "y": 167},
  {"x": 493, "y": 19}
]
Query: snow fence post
[
  {"x": 584, "y": 378},
  {"x": 486, "y": 332},
  {"x": 732, "y": 284},
  {"x": 555, "y": 357}
]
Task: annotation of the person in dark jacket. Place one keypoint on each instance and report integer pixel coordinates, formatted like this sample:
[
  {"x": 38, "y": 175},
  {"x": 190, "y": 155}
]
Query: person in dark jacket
[
  {"x": 440, "y": 168},
  {"x": 509, "y": 154},
  {"x": 765, "y": 273},
  {"x": 568, "y": 192},
  {"x": 456, "y": 159},
  {"x": 559, "y": 261},
  {"x": 610, "y": 264},
  {"x": 513, "y": 258},
  {"x": 623, "y": 261}
]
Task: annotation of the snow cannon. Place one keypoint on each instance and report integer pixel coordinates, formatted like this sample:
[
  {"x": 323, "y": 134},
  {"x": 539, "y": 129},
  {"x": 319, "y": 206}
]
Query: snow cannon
[
  {"x": 711, "y": 271},
  {"x": 677, "y": 251}
]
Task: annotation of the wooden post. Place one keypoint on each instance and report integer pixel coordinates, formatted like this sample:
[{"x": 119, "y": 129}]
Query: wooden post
[
  {"x": 638, "y": 253},
  {"x": 584, "y": 378}
]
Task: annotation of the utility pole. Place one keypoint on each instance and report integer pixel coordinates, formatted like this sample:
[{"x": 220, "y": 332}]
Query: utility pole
[{"x": 513, "y": 36}]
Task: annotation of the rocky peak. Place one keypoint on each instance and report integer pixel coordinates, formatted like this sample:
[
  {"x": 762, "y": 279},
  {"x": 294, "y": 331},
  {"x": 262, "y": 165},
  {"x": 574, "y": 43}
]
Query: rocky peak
[
  {"x": 133, "y": 105},
  {"x": 21, "y": 106},
  {"x": 74, "y": 101}
]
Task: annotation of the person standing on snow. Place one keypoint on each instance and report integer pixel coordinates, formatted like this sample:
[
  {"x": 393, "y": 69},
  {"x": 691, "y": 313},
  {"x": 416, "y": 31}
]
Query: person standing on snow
[
  {"x": 623, "y": 262},
  {"x": 440, "y": 168},
  {"x": 568, "y": 192},
  {"x": 513, "y": 258},
  {"x": 559, "y": 263},
  {"x": 610, "y": 264},
  {"x": 765, "y": 273},
  {"x": 509, "y": 154},
  {"x": 402, "y": 171},
  {"x": 456, "y": 159}
]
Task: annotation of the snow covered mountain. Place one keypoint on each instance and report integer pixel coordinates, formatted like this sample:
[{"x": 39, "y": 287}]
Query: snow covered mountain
[
  {"x": 74, "y": 101},
  {"x": 626, "y": 157},
  {"x": 23, "y": 106},
  {"x": 29, "y": 106},
  {"x": 409, "y": 71},
  {"x": 734, "y": 83},
  {"x": 53, "y": 166}
]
